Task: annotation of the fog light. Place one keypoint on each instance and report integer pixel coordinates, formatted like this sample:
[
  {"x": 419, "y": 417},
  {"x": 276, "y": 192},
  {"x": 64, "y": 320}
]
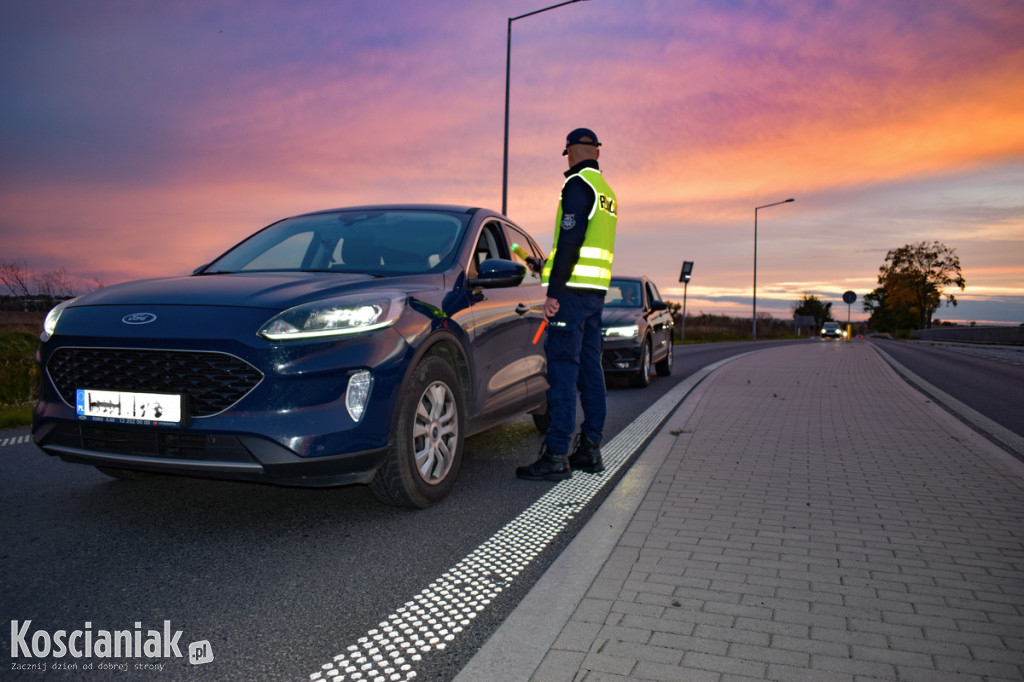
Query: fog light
[
  {"x": 621, "y": 364},
  {"x": 357, "y": 395}
]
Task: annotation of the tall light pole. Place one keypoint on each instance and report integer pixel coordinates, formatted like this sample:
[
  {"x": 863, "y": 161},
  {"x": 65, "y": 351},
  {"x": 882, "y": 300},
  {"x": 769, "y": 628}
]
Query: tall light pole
[
  {"x": 508, "y": 73},
  {"x": 753, "y": 334}
]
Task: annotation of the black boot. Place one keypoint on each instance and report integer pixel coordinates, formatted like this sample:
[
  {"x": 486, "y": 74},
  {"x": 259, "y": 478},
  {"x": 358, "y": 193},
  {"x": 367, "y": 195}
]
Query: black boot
[
  {"x": 586, "y": 456},
  {"x": 551, "y": 466}
]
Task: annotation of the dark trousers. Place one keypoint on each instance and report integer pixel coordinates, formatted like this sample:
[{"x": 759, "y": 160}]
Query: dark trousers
[{"x": 574, "y": 348}]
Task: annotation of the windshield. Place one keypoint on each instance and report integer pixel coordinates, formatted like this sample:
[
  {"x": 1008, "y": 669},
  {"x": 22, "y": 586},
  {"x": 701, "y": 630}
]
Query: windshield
[
  {"x": 623, "y": 294},
  {"x": 384, "y": 242}
]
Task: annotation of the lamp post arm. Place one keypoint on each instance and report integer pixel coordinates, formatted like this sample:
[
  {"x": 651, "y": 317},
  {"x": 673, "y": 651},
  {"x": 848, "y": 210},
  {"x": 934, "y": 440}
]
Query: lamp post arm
[
  {"x": 786, "y": 201},
  {"x": 538, "y": 11}
]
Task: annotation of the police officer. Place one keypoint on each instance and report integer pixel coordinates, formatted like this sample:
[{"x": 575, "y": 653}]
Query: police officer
[{"x": 577, "y": 274}]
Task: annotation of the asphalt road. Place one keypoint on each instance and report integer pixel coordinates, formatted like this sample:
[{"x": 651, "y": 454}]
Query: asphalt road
[
  {"x": 279, "y": 581},
  {"x": 986, "y": 379}
]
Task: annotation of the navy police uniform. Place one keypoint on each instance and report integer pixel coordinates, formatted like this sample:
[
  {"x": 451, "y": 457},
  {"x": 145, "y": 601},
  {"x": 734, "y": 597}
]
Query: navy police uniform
[{"x": 577, "y": 274}]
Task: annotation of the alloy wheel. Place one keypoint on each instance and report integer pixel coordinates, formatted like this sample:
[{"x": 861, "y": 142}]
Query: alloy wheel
[{"x": 435, "y": 433}]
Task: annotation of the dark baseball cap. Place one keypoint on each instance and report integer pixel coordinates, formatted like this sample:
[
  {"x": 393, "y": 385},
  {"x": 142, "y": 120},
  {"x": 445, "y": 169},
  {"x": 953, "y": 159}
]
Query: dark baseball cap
[{"x": 577, "y": 137}]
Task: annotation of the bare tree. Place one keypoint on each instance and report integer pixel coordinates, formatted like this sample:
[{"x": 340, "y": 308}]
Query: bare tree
[
  {"x": 15, "y": 276},
  {"x": 55, "y": 285}
]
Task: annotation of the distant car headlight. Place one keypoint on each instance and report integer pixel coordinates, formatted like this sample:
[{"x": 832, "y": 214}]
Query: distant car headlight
[
  {"x": 50, "y": 323},
  {"x": 336, "y": 317},
  {"x": 622, "y": 332}
]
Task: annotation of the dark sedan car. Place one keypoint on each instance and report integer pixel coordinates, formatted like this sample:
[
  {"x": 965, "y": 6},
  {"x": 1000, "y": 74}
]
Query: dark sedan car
[
  {"x": 358, "y": 345},
  {"x": 638, "y": 330}
]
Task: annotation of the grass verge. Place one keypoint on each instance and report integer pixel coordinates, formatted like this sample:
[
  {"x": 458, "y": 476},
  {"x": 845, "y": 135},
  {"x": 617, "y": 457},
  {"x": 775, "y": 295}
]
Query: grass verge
[
  {"x": 19, "y": 378},
  {"x": 15, "y": 416}
]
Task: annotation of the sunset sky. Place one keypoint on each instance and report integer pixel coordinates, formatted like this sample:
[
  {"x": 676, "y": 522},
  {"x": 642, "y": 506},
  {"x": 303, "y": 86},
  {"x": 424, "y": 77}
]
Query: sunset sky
[{"x": 141, "y": 138}]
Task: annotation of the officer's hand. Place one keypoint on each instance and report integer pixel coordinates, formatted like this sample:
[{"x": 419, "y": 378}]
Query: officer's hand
[
  {"x": 550, "y": 308},
  {"x": 534, "y": 263}
]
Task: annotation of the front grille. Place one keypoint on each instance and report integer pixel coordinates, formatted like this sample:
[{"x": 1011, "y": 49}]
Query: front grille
[
  {"x": 149, "y": 443},
  {"x": 611, "y": 357},
  {"x": 212, "y": 381}
]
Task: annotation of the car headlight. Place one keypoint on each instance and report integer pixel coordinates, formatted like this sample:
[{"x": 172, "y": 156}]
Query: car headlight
[
  {"x": 50, "y": 323},
  {"x": 622, "y": 332},
  {"x": 336, "y": 317}
]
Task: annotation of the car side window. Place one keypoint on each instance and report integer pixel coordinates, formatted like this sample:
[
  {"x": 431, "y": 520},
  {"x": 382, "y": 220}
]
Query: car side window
[
  {"x": 652, "y": 293},
  {"x": 489, "y": 245},
  {"x": 519, "y": 237}
]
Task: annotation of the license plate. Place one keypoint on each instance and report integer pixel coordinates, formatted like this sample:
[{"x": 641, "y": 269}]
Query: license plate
[{"x": 125, "y": 406}]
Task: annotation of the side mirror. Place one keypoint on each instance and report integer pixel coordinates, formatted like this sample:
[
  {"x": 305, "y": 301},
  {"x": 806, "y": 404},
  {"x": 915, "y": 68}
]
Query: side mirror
[
  {"x": 495, "y": 272},
  {"x": 659, "y": 305}
]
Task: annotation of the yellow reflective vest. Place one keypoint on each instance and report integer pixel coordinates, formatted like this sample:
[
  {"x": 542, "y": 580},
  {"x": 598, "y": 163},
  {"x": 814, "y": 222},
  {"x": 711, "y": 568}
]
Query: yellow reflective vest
[{"x": 594, "y": 268}]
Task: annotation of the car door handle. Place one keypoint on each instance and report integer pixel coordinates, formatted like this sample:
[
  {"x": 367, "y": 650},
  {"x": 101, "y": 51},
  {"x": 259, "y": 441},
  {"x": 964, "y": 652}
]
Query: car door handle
[{"x": 522, "y": 309}]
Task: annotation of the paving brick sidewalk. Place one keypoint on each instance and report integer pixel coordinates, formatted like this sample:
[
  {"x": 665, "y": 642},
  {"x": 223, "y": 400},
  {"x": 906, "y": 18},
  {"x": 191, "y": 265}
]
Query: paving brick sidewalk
[{"x": 815, "y": 518}]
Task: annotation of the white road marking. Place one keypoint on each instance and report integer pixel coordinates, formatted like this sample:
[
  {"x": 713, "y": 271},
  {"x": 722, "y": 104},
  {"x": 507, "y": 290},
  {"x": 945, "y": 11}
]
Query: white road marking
[{"x": 15, "y": 440}]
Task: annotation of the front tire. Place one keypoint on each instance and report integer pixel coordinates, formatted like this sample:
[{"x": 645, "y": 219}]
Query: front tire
[
  {"x": 425, "y": 453},
  {"x": 642, "y": 378},
  {"x": 664, "y": 367}
]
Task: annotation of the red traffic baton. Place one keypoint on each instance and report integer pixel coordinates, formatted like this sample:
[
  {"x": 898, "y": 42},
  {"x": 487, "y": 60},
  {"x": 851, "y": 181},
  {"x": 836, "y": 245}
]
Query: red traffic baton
[{"x": 540, "y": 330}]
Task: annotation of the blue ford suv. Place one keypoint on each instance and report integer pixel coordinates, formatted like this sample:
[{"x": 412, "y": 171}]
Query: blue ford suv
[{"x": 358, "y": 345}]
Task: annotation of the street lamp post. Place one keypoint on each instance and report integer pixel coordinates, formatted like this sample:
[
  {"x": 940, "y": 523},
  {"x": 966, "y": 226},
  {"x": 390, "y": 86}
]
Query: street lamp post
[
  {"x": 508, "y": 73},
  {"x": 753, "y": 334}
]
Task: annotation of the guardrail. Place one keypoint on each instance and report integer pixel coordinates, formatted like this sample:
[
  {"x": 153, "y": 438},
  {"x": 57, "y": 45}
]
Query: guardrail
[{"x": 1010, "y": 336}]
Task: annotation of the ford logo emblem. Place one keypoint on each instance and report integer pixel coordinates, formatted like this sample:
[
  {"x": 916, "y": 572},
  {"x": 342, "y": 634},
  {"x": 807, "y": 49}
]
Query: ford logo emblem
[{"x": 139, "y": 318}]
